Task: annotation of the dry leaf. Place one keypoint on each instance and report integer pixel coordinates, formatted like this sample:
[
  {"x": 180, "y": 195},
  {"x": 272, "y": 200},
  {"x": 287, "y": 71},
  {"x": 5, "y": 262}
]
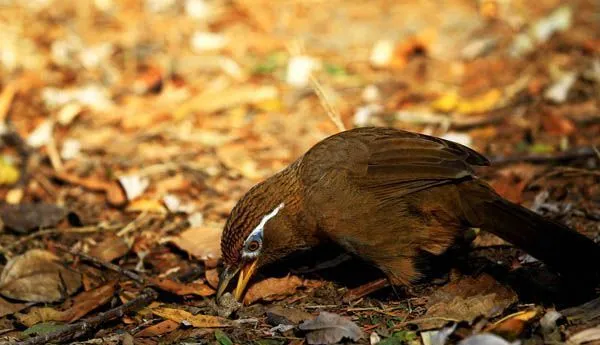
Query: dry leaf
[
  {"x": 23, "y": 218},
  {"x": 235, "y": 156},
  {"x": 80, "y": 306},
  {"x": 193, "y": 288},
  {"x": 90, "y": 300},
  {"x": 68, "y": 113},
  {"x": 585, "y": 336},
  {"x": 9, "y": 174},
  {"x": 273, "y": 289},
  {"x": 199, "y": 321},
  {"x": 512, "y": 326},
  {"x": 213, "y": 101},
  {"x": 134, "y": 185},
  {"x": 468, "y": 298},
  {"x": 8, "y": 308},
  {"x": 146, "y": 205},
  {"x": 556, "y": 124},
  {"x": 452, "y": 101},
  {"x": 158, "y": 329},
  {"x": 37, "y": 276},
  {"x": 294, "y": 316},
  {"x": 203, "y": 243},
  {"x": 112, "y": 247},
  {"x": 329, "y": 328},
  {"x": 212, "y": 277},
  {"x": 114, "y": 193}
]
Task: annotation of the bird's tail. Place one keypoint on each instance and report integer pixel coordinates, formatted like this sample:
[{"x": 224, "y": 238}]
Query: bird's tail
[{"x": 568, "y": 252}]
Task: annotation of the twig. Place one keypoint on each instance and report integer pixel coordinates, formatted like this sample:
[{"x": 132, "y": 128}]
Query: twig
[
  {"x": 332, "y": 112},
  {"x": 75, "y": 330},
  {"x": 578, "y": 153},
  {"x": 123, "y": 271},
  {"x": 85, "y": 229}
]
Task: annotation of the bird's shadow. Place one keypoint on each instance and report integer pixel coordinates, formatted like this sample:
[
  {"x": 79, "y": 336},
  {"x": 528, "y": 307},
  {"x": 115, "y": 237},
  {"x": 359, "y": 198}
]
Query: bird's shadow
[{"x": 533, "y": 283}]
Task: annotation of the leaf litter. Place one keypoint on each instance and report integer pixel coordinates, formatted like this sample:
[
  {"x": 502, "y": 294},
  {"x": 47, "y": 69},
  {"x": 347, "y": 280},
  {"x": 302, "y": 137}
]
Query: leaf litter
[{"x": 151, "y": 118}]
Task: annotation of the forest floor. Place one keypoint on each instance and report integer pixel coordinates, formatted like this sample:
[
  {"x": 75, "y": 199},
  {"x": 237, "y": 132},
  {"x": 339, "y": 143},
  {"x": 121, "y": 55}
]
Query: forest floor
[{"x": 129, "y": 129}]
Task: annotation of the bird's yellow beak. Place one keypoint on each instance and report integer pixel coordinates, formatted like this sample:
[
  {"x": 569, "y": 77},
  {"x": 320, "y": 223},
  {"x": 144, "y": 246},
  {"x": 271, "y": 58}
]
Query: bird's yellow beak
[{"x": 245, "y": 273}]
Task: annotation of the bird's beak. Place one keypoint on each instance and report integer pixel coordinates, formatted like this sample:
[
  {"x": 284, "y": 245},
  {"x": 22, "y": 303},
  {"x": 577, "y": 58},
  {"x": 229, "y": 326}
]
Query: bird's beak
[{"x": 245, "y": 273}]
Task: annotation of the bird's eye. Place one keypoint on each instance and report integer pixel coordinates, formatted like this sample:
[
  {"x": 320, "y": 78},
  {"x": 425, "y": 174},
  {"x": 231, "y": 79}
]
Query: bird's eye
[{"x": 253, "y": 246}]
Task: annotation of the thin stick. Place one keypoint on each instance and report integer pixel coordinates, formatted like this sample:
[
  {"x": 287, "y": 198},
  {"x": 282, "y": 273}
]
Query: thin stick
[
  {"x": 79, "y": 230},
  {"x": 123, "y": 271},
  {"x": 332, "y": 112},
  {"x": 70, "y": 332}
]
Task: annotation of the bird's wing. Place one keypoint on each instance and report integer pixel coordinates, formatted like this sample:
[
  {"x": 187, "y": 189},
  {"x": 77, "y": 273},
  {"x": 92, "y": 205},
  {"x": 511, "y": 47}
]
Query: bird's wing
[{"x": 387, "y": 162}]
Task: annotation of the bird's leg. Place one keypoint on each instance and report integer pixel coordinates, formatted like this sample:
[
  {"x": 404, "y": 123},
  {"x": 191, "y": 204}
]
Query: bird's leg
[{"x": 364, "y": 290}]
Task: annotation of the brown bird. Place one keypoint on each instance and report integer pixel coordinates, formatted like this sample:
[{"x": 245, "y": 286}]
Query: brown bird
[{"x": 389, "y": 197}]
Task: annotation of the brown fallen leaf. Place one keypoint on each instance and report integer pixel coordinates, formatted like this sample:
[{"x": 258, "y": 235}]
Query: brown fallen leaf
[
  {"x": 24, "y": 218},
  {"x": 212, "y": 277},
  {"x": 330, "y": 328},
  {"x": 38, "y": 276},
  {"x": 8, "y": 308},
  {"x": 194, "y": 288},
  {"x": 555, "y": 124},
  {"x": 160, "y": 328},
  {"x": 115, "y": 195},
  {"x": 512, "y": 326},
  {"x": 146, "y": 205},
  {"x": 203, "y": 243},
  {"x": 81, "y": 305},
  {"x": 199, "y": 321},
  {"x": 513, "y": 180},
  {"x": 294, "y": 316},
  {"x": 467, "y": 298},
  {"x": 273, "y": 289},
  {"x": 112, "y": 247}
]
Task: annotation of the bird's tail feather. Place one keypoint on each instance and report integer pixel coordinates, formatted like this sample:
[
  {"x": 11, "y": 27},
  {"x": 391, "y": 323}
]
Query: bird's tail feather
[{"x": 570, "y": 253}]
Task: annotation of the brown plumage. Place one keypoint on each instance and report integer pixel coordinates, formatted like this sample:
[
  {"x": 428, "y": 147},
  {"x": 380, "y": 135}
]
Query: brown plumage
[{"x": 387, "y": 196}]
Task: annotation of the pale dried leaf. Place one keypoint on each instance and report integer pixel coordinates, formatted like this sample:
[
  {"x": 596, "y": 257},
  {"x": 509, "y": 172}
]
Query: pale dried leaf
[
  {"x": 203, "y": 243},
  {"x": 42, "y": 135},
  {"x": 37, "y": 276},
  {"x": 134, "y": 185},
  {"x": 585, "y": 336},
  {"x": 68, "y": 113},
  {"x": 292, "y": 315},
  {"x": 199, "y": 321},
  {"x": 84, "y": 303},
  {"x": 559, "y": 91},
  {"x": 486, "y": 339},
  {"x": 330, "y": 328},
  {"x": 468, "y": 298}
]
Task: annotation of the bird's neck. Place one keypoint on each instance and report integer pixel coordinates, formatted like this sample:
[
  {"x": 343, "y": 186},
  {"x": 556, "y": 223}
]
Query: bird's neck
[{"x": 296, "y": 223}]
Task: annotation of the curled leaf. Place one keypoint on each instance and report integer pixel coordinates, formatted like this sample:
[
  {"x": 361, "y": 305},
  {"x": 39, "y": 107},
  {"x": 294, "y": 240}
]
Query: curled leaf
[
  {"x": 330, "y": 328},
  {"x": 38, "y": 276}
]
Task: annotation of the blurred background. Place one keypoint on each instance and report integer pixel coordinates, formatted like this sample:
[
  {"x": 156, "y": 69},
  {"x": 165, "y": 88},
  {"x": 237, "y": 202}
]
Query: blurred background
[{"x": 143, "y": 118}]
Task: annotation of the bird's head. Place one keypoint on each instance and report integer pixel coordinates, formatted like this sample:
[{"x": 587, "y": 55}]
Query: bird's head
[{"x": 260, "y": 229}]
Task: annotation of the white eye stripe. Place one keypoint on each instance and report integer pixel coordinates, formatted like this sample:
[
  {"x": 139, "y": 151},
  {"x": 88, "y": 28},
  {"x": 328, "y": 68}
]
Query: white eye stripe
[{"x": 260, "y": 227}]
